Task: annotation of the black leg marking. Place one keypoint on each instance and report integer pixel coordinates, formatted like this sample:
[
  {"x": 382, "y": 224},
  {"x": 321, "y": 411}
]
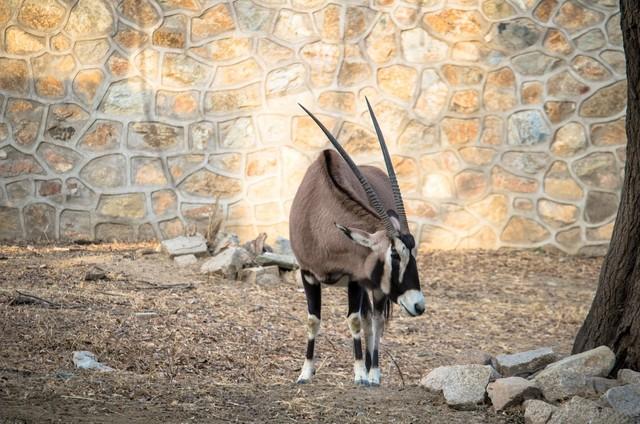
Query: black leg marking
[
  {"x": 314, "y": 304},
  {"x": 367, "y": 361}
]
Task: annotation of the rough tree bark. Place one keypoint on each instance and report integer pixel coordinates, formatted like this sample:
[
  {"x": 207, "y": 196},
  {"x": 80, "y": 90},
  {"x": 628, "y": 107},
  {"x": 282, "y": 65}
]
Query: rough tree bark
[{"x": 614, "y": 318}]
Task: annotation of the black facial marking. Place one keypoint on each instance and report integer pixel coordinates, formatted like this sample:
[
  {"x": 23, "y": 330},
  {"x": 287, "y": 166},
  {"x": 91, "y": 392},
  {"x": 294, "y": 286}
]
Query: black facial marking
[
  {"x": 408, "y": 240},
  {"x": 376, "y": 275}
]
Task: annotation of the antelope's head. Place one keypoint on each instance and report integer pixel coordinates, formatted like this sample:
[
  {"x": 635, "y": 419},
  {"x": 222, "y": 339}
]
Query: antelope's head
[{"x": 391, "y": 262}]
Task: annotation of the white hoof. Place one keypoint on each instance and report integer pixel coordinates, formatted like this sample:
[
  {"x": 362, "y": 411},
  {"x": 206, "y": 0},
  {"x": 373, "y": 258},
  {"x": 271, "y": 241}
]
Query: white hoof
[
  {"x": 360, "y": 374},
  {"x": 307, "y": 372},
  {"x": 374, "y": 376}
]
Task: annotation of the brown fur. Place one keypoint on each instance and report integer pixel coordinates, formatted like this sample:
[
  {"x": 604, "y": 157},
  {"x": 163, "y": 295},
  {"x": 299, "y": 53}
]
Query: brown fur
[{"x": 330, "y": 193}]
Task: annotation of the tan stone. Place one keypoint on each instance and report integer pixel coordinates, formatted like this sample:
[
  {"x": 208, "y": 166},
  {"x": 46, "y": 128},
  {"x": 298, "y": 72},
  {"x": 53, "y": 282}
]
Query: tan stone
[
  {"x": 493, "y": 132},
  {"x": 287, "y": 80},
  {"x": 532, "y": 92},
  {"x": 227, "y": 162},
  {"x": 574, "y": 17},
  {"x": 609, "y": 133},
  {"x": 205, "y": 183},
  {"x": 87, "y": 83},
  {"x": 91, "y": 52},
  {"x": 179, "y": 70},
  {"x": 214, "y": 21},
  {"x": 523, "y": 231},
  {"x": 419, "y": 47},
  {"x": 7, "y": 10},
  {"x": 602, "y": 233},
  {"x": 106, "y": 172},
  {"x": 261, "y": 163},
  {"x": 178, "y": 105},
  {"x": 589, "y": 68},
  {"x": 268, "y": 189},
  {"x": 51, "y": 73},
  {"x": 129, "y": 38},
  {"x": 341, "y": 101},
  {"x": 90, "y": 19},
  {"x": 559, "y": 111},
  {"x": 455, "y": 24},
  {"x": 605, "y": 102},
  {"x": 544, "y": 10},
  {"x": 564, "y": 85},
  {"x": 307, "y": 135},
  {"x": 172, "y": 33},
  {"x": 272, "y": 52},
  {"x": 523, "y": 204},
  {"x": 153, "y": 136},
  {"x": 484, "y": 238},
  {"x": 140, "y": 12},
  {"x": 555, "y": 41},
  {"x": 417, "y": 137},
  {"x": 470, "y": 184},
  {"x": 268, "y": 212},
  {"x": 114, "y": 232},
  {"x": 119, "y": 66},
  {"x": 127, "y": 97},
  {"x": 569, "y": 140},
  {"x": 25, "y": 117},
  {"x": 323, "y": 59},
  {"x": 570, "y": 238},
  {"x": 353, "y": 73},
  {"x": 131, "y": 206},
  {"x": 477, "y": 155},
  {"x": 14, "y": 75},
  {"x": 503, "y": 180},
  {"x": 420, "y": 209},
  {"x": 494, "y": 208},
  {"x": 171, "y": 228},
  {"x": 237, "y": 133},
  {"x": 225, "y": 101},
  {"x": 405, "y": 16},
  {"x": 500, "y": 90},
  {"x": 465, "y": 101},
  {"x": 436, "y": 238},
  {"x": 17, "y": 41},
  {"x": 455, "y": 132},
  {"x": 147, "y": 171},
  {"x": 407, "y": 172},
  {"x": 398, "y": 81},
  {"x": 437, "y": 186},
  {"x": 557, "y": 214},
  {"x": 182, "y": 165},
  {"x": 241, "y": 72},
  {"x": 456, "y": 217},
  {"x": 433, "y": 96},
  {"x": 357, "y": 22},
  {"x": 497, "y": 9},
  {"x": 462, "y": 75},
  {"x": 381, "y": 42},
  {"x": 293, "y": 26},
  {"x": 224, "y": 49},
  {"x": 60, "y": 43},
  {"x": 559, "y": 184},
  {"x": 443, "y": 161},
  {"x": 60, "y": 159},
  {"x": 41, "y": 15},
  {"x": 275, "y": 129},
  {"x": 329, "y": 21},
  {"x": 164, "y": 202},
  {"x": 357, "y": 140},
  {"x": 598, "y": 170}
]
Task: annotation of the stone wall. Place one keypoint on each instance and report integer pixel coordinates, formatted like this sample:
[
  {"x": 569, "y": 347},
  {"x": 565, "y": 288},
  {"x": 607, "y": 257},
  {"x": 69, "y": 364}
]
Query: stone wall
[{"x": 126, "y": 118}]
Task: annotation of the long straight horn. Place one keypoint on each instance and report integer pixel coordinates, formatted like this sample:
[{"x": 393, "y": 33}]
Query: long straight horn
[
  {"x": 374, "y": 200},
  {"x": 397, "y": 196}
]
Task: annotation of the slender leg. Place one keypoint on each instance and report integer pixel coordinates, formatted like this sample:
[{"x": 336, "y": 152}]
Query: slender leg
[
  {"x": 312, "y": 291},
  {"x": 377, "y": 329},
  {"x": 355, "y": 326},
  {"x": 365, "y": 317}
]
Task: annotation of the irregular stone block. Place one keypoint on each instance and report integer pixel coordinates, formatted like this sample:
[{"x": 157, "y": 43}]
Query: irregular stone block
[
  {"x": 228, "y": 262},
  {"x": 463, "y": 386},
  {"x": 625, "y": 399},
  {"x": 511, "y": 391},
  {"x": 253, "y": 275},
  {"x": 627, "y": 376},
  {"x": 523, "y": 363},
  {"x": 283, "y": 261},
  {"x": 537, "y": 411},
  {"x": 185, "y": 245},
  {"x": 580, "y": 410},
  {"x": 89, "y": 19},
  {"x": 185, "y": 260}
]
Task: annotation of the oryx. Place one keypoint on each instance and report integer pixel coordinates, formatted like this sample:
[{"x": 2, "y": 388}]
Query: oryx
[{"x": 348, "y": 226}]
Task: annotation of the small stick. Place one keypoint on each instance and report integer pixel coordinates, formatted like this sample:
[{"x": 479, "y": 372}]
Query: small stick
[
  {"x": 33, "y": 298},
  {"x": 397, "y": 366}
]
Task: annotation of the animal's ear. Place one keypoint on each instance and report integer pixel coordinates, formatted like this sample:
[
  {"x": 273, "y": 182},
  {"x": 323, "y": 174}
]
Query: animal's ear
[
  {"x": 358, "y": 236},
  {"x": 395, "y": 219}
]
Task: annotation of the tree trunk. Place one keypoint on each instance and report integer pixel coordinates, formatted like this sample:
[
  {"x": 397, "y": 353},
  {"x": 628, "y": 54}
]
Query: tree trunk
[{"x": 614, "y": 318}]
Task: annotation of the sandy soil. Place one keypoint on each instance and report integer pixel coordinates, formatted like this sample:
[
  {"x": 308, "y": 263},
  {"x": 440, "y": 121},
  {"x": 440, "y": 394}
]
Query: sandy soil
[{"x": 192, "y": 348}]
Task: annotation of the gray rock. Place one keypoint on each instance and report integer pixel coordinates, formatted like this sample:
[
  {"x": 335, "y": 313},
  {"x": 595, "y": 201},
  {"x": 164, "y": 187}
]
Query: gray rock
[
  {"x": 537, "y": 411},
  {"x": 625, "y": 399},
  {"x": 95, "y": 273},
  {"x": 600, "y": 385},
  {"x": 87, "y": 360},
  {"x": 267, "y": 279},
  {"x": 251, "y": 275},
  {"x": 627, "y": 376},
  {"x": 282, "y": 246},
  {"x": 463, "y": 386},
  {"x": 185, "y": 260},
  {"x": 224, "y": 240},
  {"x": 572, "y": 375},
  {"x": 579, "y": 410},
  {"x": 563, "y": 384},
  {"x": 283, "y": 261},
  {"x": 510, "y": 391},
  {"x": 524, "y": 363},
  {"x": 185, "y": 245},
  {"x": 228, "y": 262},
  {"x": 473, "y": 356}
]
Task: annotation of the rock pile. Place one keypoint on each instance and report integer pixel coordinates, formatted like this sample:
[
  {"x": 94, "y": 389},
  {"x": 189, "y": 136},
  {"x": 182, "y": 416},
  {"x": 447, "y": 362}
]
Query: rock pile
[
  {"x": 574, "y": 389},
  {"x": 254, "y": 261}
]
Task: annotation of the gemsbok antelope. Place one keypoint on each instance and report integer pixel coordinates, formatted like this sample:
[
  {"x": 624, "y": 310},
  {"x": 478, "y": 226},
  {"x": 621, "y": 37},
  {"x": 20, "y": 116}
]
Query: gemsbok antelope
[{"x": 348, "y": 227}]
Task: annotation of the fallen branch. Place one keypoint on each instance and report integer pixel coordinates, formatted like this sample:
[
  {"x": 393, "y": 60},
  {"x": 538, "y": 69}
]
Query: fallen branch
[
  {"x": 29, "y": 299},
  {"x": 397, "y": 366}
]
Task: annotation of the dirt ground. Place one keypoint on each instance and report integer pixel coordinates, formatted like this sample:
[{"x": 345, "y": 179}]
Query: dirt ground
[{"x": 192, "y": 348}]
